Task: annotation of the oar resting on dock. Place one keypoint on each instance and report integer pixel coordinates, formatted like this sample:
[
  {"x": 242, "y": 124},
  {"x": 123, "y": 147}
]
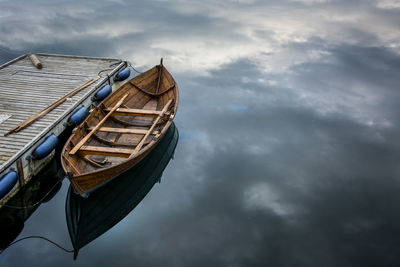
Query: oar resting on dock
[{"x": 46, "y": 110}]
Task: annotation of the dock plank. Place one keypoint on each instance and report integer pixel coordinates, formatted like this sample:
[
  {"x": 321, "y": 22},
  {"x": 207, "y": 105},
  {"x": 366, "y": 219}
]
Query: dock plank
[{"x": 26, "y": 90}]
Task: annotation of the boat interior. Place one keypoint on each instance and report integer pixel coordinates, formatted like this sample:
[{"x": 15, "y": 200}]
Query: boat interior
[{"x": 124, "y": 124}]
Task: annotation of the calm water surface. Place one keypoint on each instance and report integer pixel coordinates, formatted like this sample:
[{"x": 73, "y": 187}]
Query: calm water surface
[{"x": 289, "y": 151}]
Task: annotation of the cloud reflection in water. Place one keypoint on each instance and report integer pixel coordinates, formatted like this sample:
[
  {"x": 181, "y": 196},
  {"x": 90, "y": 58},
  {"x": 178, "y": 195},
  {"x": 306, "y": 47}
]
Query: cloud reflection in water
[{"x": 289, "y": 125}]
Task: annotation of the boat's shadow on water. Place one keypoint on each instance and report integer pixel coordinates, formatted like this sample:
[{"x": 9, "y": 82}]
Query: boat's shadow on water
[{"x": 88, "y": 218}]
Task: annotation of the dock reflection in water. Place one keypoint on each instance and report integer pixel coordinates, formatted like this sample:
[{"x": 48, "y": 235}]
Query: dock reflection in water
[
  {"x": 88, "y": 218},
  {"x": 40, "y": 189}
]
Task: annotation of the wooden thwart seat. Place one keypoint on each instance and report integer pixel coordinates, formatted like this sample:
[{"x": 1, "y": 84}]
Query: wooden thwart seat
[
  {"x": 121, "y": 130},
  {"x": 134, "y": 112},
  {"x": 105, "y": 151}
]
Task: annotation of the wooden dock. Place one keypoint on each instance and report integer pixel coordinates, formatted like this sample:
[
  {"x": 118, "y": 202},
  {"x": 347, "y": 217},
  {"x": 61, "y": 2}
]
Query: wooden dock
[{"x": 26, "y": 89}]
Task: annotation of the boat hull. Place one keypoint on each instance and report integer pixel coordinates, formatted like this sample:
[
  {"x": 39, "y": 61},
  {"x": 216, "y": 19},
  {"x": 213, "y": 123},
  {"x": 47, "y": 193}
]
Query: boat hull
[
  {"x": 85, "y": 184},
  {"x": 88, "y": 218},
  {"x": 121, "y": 130}
]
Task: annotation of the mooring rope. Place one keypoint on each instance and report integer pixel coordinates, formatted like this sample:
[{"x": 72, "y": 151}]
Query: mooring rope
[
  {"x": 116, "y": 64},
  {"x": 130, "y": 65},
  {"x": 110, "y": 67},
  {"x": 38, "y": 237}
]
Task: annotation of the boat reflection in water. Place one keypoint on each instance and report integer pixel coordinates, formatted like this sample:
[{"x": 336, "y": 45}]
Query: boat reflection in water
[
  {"x": 88, "y": 218},
  {"x": 40, "y": 189}
]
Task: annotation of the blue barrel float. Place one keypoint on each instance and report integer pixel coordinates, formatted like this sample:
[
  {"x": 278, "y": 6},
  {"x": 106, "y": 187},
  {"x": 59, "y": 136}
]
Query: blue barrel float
[
  {"x": 45, "y": 148},
  {"x": 78, "y": 116},
  {"x": 7, "y": 183},
  {"x": 102, "y": 93},
  {"x": 122, "y": 75}
]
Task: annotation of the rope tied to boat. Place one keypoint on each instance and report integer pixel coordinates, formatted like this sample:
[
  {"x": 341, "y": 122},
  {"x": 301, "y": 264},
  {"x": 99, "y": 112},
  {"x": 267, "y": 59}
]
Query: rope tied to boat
[
  {"x": 130, "y": 65},
  {"x": 112, "y": 66}
]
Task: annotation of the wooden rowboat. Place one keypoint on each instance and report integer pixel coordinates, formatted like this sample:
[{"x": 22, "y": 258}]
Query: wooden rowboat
[
  {"x": 121, "y": 130},
  {"x": 89, "y": 218}
]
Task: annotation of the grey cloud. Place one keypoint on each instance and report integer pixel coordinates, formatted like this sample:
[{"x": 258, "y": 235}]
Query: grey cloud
[{"x": 146, "y": 26}]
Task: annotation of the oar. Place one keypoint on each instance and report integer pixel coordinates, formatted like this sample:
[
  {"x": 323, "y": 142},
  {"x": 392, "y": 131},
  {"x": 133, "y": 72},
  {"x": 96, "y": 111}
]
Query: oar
[
  {"x": 55, "y": 104},
  {"x": 84, "y": 139}
]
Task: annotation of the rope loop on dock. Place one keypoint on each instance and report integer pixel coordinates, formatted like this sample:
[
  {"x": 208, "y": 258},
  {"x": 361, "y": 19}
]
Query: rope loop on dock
[{"x": 110, "y": 67}]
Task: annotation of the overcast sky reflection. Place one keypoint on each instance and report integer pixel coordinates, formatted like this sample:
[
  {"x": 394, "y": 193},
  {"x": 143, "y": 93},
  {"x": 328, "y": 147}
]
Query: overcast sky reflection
[{"x": 289, "y": 126}]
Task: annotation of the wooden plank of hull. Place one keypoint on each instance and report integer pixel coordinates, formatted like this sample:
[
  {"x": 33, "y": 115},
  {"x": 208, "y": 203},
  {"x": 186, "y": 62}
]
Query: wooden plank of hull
[
  {"x": 86, "y": 183},
  {"x": 106, "y": 151}
]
